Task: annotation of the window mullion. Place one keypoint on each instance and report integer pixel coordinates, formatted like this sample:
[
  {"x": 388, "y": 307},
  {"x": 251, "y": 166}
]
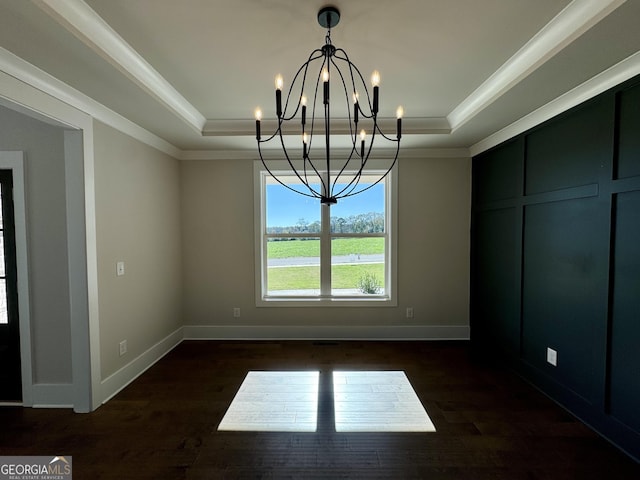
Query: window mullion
[{"x": 325, "y": 252}]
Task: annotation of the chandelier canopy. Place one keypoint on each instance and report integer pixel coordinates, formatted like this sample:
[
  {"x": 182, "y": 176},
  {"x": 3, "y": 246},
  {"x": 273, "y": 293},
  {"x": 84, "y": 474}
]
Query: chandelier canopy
[{"x": 320, "y": 173}]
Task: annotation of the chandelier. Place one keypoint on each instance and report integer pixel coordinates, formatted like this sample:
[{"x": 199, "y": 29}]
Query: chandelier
[{"x": 320, "y": 174}]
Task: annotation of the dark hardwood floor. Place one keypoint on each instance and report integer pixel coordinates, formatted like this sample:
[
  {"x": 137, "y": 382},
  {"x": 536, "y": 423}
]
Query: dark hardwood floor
[{"x": 490, "y": 424}]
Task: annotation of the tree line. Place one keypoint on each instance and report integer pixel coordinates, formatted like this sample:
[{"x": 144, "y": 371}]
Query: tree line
[{"x": 372, "y": 222}]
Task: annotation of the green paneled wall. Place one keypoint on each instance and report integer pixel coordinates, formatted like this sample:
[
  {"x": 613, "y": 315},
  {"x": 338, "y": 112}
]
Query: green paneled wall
[
  {"x": 556, "y": 259},
  {"x": 629, "y": 114},
  {"x": 496, "y": 299},
  {"x": 564, "y": 301},
  {"x": 572, "y": 150}
]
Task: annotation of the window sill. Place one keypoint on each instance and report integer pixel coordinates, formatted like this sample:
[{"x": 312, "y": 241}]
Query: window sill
[{"x": 336, "y": 301}]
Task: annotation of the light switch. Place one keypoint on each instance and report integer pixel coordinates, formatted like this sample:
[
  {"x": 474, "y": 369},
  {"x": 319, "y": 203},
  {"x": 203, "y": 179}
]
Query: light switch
[{"x": 120, "y": 269}]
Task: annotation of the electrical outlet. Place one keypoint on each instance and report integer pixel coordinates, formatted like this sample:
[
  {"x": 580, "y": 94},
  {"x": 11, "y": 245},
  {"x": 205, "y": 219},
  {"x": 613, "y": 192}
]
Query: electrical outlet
[
  {"x": 123, "y": 347},
  {"x": 552, "y": 357},
  {"x": 409, "y": 312},
  {"x": 236, "y": 312}
]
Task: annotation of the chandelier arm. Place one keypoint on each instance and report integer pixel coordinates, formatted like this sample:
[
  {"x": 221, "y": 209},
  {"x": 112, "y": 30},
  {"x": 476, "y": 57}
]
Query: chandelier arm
[
  {"x": 327, "y": 142},
  {"x": 352, "y": 132},
  {"x": 355, "y": 181},
  {"x": 304, "y": 167},
  {"x": 396, "y": 140},
  {"x": 382, "y": 177},
  {"x": 323, "y": 183},
  {"x": 266, "y": 140},
  {"x": 316, "y": 54},
  {"x": 351, "y": 185},
  {"x": 313, "y": 113},
  {"x": 304, "y": 181},
  {"x": 342, "y": 55},
  {"x": 280, "y": 181}
]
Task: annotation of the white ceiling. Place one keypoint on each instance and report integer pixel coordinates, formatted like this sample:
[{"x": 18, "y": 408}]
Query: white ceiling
[{"x": 464, "y": 70}]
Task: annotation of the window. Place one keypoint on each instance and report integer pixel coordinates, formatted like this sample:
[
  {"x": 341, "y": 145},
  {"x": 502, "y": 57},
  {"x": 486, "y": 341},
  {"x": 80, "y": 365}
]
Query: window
[{"x": 320, "y": 254}]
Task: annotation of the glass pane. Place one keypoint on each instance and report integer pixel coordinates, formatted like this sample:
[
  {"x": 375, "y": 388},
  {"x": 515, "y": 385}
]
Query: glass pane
[
  {"x": 293, "y": 266},
  {"x": 4, "y": 317},
  {"x": 362, "y": 213},
  {"x": 290, "y": 212},
  {"x": 357, "y": 266},
  {"x": 1, "y": 220}
]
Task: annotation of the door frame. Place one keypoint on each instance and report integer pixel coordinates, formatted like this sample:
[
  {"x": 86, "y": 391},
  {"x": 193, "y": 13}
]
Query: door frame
[
  {"x": 14, "y": 161},
  {"x": 26, "y": 89}
]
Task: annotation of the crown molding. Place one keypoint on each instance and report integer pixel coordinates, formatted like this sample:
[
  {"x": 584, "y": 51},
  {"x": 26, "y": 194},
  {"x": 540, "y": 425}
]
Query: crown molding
[
  {"x": 575, "y": 19},
  {"x": 339, "y": 126},
  {"x": 83, "y": 22},
  {"x": 409, "y": 153},
  {"x": 41, "y": 80},
  {"x": 619, "y": 73}
]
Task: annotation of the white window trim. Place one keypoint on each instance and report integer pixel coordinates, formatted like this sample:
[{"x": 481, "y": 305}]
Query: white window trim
[{"x": 391, "y": 246}]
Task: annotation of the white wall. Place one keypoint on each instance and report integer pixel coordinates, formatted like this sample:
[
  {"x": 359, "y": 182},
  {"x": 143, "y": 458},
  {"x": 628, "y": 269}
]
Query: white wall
[
  {"x": 433, "y": 274},
  {"x": 138, "y": 222}
]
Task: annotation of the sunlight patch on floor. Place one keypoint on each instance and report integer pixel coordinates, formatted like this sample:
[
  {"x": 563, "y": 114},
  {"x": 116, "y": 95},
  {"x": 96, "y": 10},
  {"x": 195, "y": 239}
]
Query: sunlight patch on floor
[
  {"x": 363, "y": 401},
  {"x": 377, "y": 401},
  {"x": 274, "y": 402}
]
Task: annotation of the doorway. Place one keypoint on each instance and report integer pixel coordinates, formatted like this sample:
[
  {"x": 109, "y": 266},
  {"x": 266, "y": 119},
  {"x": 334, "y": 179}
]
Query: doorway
[{"x": 10, "y": 369}]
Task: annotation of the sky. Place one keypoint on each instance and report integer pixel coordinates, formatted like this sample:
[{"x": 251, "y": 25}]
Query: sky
[{"x": 285, "y": 208}]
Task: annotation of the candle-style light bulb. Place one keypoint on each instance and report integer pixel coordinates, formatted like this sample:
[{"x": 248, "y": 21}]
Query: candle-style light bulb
[
  {"x": 325, "y": 80},
  {"x": 279, "y": 83},
  {"x": 305, "y": 142},
  {"x": 356, "y": 107},
  {"x": 258, "y": 115},
  {"x": 375, "y": 81},
  {"x": 375, "y": 78},
  {"x": 399, "y": 114},
  {"x": 363, "y": 135},
  {"x": 303, "y": 102}
]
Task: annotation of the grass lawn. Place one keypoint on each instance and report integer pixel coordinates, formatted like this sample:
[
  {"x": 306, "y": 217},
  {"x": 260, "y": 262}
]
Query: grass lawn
[
  {"x": 308, "y": 277},
  {"x": 311, "y": 248}
]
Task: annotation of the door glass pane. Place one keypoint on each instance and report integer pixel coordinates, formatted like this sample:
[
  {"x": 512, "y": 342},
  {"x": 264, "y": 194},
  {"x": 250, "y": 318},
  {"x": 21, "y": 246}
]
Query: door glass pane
[
  {"x": 293, "y": 266},
  {"x": 4, "y": 317},
  {"x": 357, "y": 266}
]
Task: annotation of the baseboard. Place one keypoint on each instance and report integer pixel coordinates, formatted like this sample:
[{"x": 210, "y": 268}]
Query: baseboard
[
  {"x": 114, "y": 383},
  {"x": 349, "y": 332},
  {"x": 52, "y": 395}
]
